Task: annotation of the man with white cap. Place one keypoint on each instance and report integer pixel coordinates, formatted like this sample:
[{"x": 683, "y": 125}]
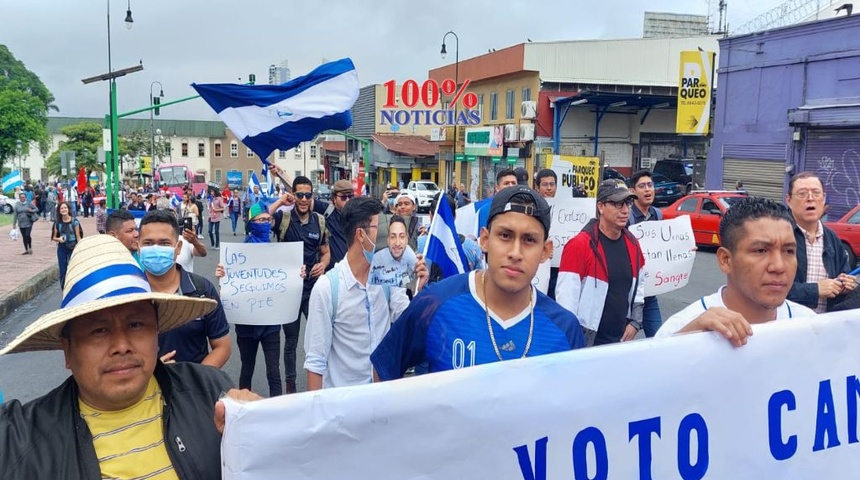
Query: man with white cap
[
  {"x": 122, "y": 413},
  {"x": 406, "y": 206}
]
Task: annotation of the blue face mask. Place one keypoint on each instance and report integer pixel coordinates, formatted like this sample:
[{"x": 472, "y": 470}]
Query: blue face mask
[
  {"x": 368, "y": 255},
  {"x": 157, "y": 259},
  {"x": 260, "y": 231}
]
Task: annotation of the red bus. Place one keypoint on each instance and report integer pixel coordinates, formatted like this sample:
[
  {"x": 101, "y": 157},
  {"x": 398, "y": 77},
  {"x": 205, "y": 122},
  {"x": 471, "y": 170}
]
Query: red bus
[{"x": 176, "y": 176}]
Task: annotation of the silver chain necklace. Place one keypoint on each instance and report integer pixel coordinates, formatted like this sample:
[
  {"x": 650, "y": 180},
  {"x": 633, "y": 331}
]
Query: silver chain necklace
[{"x": 490, "y": 325}]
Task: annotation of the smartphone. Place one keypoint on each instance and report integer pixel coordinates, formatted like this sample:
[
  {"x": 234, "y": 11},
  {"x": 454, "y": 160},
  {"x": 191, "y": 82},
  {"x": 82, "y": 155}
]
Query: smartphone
[{"x": 187, "y": 223}]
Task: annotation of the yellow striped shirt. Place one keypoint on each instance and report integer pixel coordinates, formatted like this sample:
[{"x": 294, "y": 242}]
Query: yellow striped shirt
[{"x": 130, "y": 443}]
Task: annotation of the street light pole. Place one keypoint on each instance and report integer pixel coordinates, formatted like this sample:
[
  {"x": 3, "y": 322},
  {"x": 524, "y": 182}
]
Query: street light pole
[
  {"x": 456, "y": 81},
  {"x": 112, "y": 186}
]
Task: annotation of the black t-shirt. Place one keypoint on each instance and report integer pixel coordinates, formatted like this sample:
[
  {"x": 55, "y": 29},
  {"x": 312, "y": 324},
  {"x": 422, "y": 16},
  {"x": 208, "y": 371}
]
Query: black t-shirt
[
  {"x": 309, "y": 233},
  {"x": 614, "y": 318}
]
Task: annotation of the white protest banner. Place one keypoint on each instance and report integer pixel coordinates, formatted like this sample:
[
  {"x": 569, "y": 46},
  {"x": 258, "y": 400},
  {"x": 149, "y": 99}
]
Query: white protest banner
[
  {"x": 569, "y": 216},
  {"x": 669, "y": 250},
  {"x": 263, "y": 283},
  {"x": 687, "y": 407}
]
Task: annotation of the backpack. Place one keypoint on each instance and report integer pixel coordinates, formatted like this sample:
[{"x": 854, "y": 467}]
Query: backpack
[
  {"x": 286, "y": 217},
  {"x": 334, "y": 282},
  {"x": 75, "y": 223}
]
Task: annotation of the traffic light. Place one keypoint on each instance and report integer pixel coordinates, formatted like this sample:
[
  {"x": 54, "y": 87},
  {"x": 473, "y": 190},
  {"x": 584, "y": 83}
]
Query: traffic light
[{"x": 156, "y": 101}]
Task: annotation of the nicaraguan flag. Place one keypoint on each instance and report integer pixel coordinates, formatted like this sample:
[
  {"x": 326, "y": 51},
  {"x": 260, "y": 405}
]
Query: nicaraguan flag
[
  {"x": 12, "y": 180},
  {"x": 175, "y": 202},
  {"x": 254, "y": 181},
  {"x": 443, "y": 245},
  {"x": 279, "y": 117},
  {"x": 269, "y": 183}
]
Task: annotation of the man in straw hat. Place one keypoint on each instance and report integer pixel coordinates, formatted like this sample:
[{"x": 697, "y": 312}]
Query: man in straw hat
[{"x": 122, "y": 414}]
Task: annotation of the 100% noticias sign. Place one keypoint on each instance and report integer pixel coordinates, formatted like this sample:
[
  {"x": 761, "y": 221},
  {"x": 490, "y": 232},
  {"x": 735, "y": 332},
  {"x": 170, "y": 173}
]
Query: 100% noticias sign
[{"x": 429, "y": 93}]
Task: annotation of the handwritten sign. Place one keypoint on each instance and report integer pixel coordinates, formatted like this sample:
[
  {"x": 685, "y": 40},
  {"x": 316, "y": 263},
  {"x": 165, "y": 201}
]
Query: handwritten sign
[
  {"x": 573, "y": 171},
  {"x": 263, "y": 283},
  {"x": 669, "y": 250},
  {"x": 706, "y": 411},
  {"x": 386, "y": 270},
  {"x": 569, "y": 216}
]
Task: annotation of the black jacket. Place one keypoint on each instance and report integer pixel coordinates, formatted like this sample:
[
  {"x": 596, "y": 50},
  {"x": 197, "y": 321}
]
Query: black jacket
[
  {"x": 835, "y": 262},
  {"x": 47, "y": 438}
]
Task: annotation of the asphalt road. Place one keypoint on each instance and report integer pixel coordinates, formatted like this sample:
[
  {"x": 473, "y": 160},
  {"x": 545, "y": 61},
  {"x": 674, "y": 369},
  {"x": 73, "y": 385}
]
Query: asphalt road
[{"x": 29, "y": 375}]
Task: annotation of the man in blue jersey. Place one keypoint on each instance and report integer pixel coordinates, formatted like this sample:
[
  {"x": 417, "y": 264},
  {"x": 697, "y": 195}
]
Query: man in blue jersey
[
  {"x": 759, "y": 259},
  {"x": 490, "y": 315}
]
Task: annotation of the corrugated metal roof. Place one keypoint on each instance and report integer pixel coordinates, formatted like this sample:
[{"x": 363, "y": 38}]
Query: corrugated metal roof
[
  {"x": 181, "y": 128},
  {"x": 409, "y": 145}
]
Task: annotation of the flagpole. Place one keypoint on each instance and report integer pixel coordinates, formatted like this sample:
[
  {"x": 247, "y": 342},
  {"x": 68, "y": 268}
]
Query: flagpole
[{"x": 427, "y": 243}]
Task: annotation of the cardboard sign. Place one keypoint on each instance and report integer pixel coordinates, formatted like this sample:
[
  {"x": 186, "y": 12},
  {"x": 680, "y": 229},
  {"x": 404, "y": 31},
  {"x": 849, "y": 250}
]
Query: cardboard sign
[
  {"x": 569, "y": 216},
  {"x": 669, "y": 250}
]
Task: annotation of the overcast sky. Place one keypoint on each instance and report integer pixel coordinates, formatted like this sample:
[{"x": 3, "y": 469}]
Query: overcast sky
[{"x": 214, "y": 41}]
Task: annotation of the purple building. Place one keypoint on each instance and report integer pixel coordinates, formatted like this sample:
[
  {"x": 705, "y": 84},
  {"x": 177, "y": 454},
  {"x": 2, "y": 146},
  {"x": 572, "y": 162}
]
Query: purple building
[{"x": 788, "y": 101}]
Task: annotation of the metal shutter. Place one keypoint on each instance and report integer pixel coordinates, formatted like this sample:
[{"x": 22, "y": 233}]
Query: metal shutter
[
  {"x": 761, "y": 178},
  {"x": 834, "y": 155}
]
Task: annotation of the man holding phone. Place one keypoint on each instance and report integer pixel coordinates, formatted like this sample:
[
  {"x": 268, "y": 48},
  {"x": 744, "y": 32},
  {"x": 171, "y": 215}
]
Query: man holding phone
[{"x": 190, "y": 245}]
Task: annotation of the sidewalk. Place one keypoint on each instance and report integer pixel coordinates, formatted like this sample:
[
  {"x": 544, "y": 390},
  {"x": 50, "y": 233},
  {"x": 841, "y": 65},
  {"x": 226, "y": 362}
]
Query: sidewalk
[{"x": 24, "y": 276}]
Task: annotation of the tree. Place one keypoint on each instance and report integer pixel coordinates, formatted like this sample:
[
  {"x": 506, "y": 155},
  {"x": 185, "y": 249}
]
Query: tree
[
  {"x": 24, "y": 105},
  {"x": 84, "y": 139}
]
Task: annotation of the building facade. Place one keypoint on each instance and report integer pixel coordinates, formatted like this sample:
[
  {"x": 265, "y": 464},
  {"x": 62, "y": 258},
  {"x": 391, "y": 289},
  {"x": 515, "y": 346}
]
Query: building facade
[
  {"x": 790, "y": 101},
  {"x": 279, "y": 74}
]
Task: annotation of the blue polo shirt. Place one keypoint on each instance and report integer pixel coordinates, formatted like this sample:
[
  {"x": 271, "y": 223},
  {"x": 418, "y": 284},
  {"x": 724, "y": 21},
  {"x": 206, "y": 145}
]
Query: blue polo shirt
[
  {"x": 336, "y": 237},
  {"x": 191, "y": 341}
]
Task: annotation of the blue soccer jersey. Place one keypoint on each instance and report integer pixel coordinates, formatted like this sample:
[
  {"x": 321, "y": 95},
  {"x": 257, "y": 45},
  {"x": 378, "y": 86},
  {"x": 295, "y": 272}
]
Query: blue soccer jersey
[{"x": 446, "y": 326}]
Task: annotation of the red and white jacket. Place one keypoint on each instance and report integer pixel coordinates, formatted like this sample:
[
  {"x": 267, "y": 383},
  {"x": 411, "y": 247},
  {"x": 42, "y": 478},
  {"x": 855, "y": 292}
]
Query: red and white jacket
[{"x": 583, "y": 278}]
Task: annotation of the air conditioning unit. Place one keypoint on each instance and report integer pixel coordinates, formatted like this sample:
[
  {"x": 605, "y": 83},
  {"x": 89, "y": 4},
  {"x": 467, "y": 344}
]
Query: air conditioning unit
[
  {"x": 528, "y": 109},
  {"x": 527, "y": 132},
  {"x": 511, "y": 133},
  {"x": 647, "y": 163}
]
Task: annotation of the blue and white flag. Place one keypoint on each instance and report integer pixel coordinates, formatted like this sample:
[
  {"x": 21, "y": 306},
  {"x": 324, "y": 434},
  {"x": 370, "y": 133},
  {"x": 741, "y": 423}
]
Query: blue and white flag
[
  {"x": 175, "y": 202},
  {"x": 279, "y": 117},
  {"x": 12, "y": 181},
  {"x": 270, "y": 190},
  {"x": 252, "y": 182},
  {"x": 443, "y": 245}
]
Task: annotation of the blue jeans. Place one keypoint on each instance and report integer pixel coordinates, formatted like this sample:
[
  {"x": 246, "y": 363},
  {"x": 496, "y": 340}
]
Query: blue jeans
[
  {"x": 651, "y": 319},
  {"x": 215, "y": 238},
  {"x": 63, "y": 256},
  {"x": 234, "y": 217}
]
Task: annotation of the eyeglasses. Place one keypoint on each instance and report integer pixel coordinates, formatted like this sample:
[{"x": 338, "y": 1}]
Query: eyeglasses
[
  {"x": 345, "y": 196},
  {"x": 645, "y": 185},
  {"x": 547, "y": 184},
  {"x": 804, "y": 193},
  {"x": 619, "y": 205},
  {"x": 262, "y": 220},
  {"x": 307, "y": 195}
]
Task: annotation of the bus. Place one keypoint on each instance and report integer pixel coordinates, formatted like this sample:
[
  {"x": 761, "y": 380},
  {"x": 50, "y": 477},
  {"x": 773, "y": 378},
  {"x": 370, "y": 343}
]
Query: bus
[{"x": 177, "y": 176}]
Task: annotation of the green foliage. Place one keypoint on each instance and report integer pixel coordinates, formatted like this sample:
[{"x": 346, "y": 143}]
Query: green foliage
[
  {"x": 24, "y": 105},
  {"x": 84, "y": 139}
]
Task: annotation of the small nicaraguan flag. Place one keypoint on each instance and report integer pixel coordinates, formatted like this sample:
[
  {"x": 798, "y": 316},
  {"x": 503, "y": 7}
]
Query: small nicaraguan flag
[
  {"x": 12, "y": 181},
  {"x": 443, "y": 245},
  {"x": 252, "y": 182},
  {"x": 175, "y": 202},
  {"x": 279, "y": 117},
  {"x": 270, "y": 189}
]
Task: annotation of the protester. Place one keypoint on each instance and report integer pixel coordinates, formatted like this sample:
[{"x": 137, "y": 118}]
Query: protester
[
  {"x": 121, "y": 225},
  {"x": 341, "y": 194},
  {"x": 151, "y": 202},
  {"x": 250, "y": 337},
  {"x": 86, "y": 202},
  {"x": 101, "y": 217},
  {"x": 249, "y": 199},
  {"x": 643, "y": 210},
  {"x": 122, "y": 413},
  {"x": 349, "y": 316},
  {"x": 162, "y": 201},
  {"x": 445, "y": 324},
  {"x": 234, "y": 206},
  {"x": 822, "y": 265},
  {"x": 198, "y": 202},
  {"x": 600, "y": 277},
  {"x": 462, "y": 196},
  {"x": 759, "y": 258},
  {"x": 24, "y": 215},
  {"x": 188, "y": 209},
  {"x": 406, "y": 206},
  {"x": 135, "y": 203},
  {"x": 51, "y": 202},
  {"x": 67, "y": 233},
  {"x": 546, "y": 183},
  {"x": 190, "y": 246},
  {"x": 504, "y": 179},
  {"x": 301, "y": 225},
  {"x": 394, "y": 265},
  {"x": 522, "y": 176},
  {"x": 205, "y": 340},
  {"x": 216, "y": 212}
]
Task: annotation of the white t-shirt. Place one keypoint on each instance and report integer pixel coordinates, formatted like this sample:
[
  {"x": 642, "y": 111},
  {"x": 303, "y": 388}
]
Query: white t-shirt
[
  {"x": 185, "y": 259},
  {"x": 676, "y": 322}
]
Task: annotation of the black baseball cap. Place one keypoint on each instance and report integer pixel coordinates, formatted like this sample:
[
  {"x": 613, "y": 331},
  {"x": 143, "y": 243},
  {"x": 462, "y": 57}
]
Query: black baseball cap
[
  {"x": 502, "y": 204},
  {"x": 522, "y": 176},
  {"x": 612, "y": 191}
]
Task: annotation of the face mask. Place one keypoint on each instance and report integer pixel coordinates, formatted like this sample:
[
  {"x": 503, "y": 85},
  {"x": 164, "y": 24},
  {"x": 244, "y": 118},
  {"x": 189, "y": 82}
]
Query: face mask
[
  {"x": 260, "y": 231},
  {"x": 157, "y": 259},
  {"x": 368, "y": 255}
]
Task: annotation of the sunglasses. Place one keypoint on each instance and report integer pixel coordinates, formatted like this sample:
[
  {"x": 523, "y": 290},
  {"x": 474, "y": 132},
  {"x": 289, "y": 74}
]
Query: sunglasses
[
  {"x": 307, "y": 195},
  {"x": 345, "y": 196},
  {"x": 620, "y": 205}
]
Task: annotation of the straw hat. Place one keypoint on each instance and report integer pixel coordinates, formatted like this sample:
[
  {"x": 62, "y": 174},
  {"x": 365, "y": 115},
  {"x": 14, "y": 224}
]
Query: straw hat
[{"x": 103, "y": 274}]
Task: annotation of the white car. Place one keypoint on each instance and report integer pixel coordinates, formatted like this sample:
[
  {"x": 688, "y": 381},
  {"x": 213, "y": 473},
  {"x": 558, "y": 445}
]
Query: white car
[
  {"x": 424, "y": 191},
  {"x": 7, "y": 204}
]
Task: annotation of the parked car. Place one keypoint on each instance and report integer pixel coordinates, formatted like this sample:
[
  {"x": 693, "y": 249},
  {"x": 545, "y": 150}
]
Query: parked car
[
  {"x": 613, "y": 174},
  {"x": 7, "y": 204},
  {"x": 666, "y": 191},
  {"x": 705, "y": 209},
  {"x": 680, "y": 171},
  {"x": 424, "y": 191},
  {"x": 847, "y": 229},
  {"x": 323, "y": 192}
]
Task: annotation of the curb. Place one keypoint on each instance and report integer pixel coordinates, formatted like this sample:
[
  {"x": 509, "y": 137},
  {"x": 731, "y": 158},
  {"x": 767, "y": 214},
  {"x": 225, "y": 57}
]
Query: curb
[{"x": 28, "y": 290}]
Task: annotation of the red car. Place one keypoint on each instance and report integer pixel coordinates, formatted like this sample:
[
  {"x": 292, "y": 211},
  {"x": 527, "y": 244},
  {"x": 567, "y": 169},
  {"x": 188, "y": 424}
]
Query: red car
[
  {"x": 705, "y": 210},
  {"x": 847, "y": 229}
]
